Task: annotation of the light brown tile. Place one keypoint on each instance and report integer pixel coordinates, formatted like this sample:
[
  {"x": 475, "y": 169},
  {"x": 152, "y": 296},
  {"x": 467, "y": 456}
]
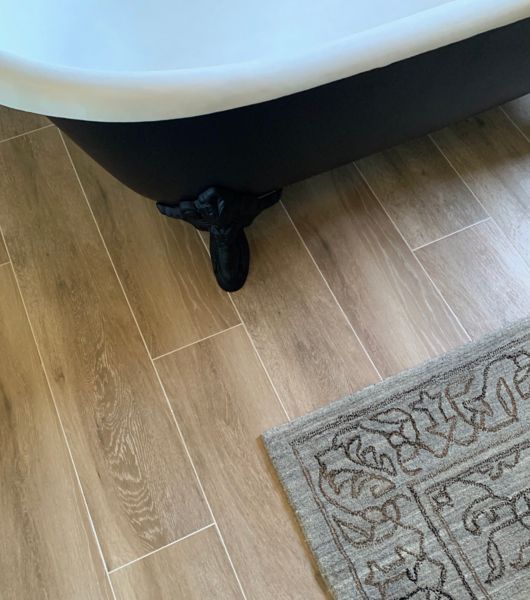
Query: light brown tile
[
  {"x": 519, "y": 112},
  {"x": 482, "y": 277},
  {"x": 164, "y": 267},
  {"x": 391, "y": 303},
  {"x": 48, "y": 547},
  {"x": 196, "y": 568},
  {"x": 3, "y": 253},
  {"x": 420, "y": 191},
  {"x": 15, "y": 122},
  {"x": 305, "y": 341},
  {"x": 494, "y": 160},
  {"x": 137, "y": 479},
  {"x": 222, "y": 413}
]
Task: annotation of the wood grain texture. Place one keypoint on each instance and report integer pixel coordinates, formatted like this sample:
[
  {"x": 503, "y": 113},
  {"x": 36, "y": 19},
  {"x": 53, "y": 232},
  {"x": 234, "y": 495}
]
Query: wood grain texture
[
  {"x": 223, "y": 412},
  {"x": 164, "y": 267},
  {"x": 519, "y": 111},
  {"x": 421, "y": 192},
  {"x": 307, "y": 346},
  {"x": 494, "y": 160},
  {"x": 391, "y": 303},
  {"x": 196, "y": 568},
  {"x": 137, "y": 479},
  {"x": 14, "y": 122},
  {"x": 483, "y": 278},
  {"x": 3, "y": 253},
  {"x": 48, "y": 547}
]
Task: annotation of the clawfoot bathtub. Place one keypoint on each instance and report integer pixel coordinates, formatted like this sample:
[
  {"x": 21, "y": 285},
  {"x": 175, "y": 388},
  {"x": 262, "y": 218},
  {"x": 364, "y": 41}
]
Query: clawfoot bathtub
[{"x": 210, "y": 108}]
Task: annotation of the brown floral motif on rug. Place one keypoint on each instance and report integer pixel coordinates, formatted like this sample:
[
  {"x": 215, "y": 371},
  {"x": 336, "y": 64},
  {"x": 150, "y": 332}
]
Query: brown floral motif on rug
[{"x": 419, "y": 487}]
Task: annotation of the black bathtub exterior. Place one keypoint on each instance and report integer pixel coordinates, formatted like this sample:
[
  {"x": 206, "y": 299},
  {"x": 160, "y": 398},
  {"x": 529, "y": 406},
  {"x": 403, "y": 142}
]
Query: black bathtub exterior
[{"x": 263, "y": 147}]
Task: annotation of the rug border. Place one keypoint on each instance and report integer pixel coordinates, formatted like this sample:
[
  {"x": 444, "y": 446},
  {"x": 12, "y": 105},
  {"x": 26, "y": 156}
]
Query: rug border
[{"x": 279, "y": 440}]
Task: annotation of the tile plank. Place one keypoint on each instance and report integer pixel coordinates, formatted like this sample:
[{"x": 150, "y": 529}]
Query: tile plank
[
  {"x": 164, "y": 267},
  {"x": 482, "y": 277},
  {"x": 14, "y": 122},
  {"x": 196, "y": 568},
  {"x": 494, "y": 160},
  {"x": 391, "y": 303},
  {"x": 308, "y": 347},
  {"x": 223, "y": 413},
  {"x": 49, "y": 550},
  {"x": 137, "y": 479},
  {"x": 421, "y": 192}
]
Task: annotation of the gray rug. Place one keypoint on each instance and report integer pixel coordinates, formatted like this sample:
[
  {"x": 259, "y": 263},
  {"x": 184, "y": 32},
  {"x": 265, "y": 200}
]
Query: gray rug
[{"x": 419, "y": 487}]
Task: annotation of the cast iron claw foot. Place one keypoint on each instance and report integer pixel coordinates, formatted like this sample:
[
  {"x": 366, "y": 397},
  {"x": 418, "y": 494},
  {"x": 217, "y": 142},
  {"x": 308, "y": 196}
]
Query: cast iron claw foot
[
  {"x": 230, "y": 257},
  {"x": 225, "y": 214}
]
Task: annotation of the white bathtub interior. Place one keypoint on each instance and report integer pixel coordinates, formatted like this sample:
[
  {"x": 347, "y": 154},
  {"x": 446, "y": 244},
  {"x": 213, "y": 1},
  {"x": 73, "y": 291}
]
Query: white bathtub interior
[{"x": 175, "y": 34}]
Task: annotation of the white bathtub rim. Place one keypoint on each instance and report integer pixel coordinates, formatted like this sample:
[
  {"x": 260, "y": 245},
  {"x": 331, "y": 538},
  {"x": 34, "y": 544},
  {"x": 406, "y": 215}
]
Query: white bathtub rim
[{"x": 132, "y": 96}]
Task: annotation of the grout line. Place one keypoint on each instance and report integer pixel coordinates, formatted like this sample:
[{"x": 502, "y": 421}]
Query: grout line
[
  {"x": 208, "y": 337},
  {"x": 461, "y": 177},
  {"x": 514, "y": 123},
  {"x": 199, "y": 482},
  {"x": 332, "y": 293},
  {"x": 422, "y": 267},
  {"x": 173, "y": 543},
  {"x": 183, "y": 441},
  {"x": 278, "y": 397},
  {"x": 61, "y": 425},
  {"x": 223, "y": 543},
  {"x": 443, "y": 237},
  {"x": 19, "y": 135}
]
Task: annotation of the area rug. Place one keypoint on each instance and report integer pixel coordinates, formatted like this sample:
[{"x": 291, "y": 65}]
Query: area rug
[{"x": 418, "y": 487}]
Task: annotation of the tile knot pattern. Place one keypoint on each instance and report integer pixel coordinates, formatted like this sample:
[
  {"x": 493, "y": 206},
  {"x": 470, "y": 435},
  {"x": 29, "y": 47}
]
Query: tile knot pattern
[{"x": 419, "y": 487}]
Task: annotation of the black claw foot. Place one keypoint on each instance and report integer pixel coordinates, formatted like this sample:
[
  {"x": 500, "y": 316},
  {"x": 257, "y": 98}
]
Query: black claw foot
[
  {"x": 225, "y": 214},
  {"x": 230, "y": 256}
]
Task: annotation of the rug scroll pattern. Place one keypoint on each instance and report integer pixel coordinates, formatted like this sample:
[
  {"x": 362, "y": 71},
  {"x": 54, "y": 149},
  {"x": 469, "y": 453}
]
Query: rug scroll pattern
[{"x": 427, "y": 496}]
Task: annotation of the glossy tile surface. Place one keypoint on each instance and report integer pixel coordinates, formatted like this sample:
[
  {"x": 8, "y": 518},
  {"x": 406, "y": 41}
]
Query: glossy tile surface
[
  {"x": 398, "y": 314},
  {"x": 223, "y": 413},
  {"x": 48, "y": 547},
  {"x": 196, "y": 568},
  {"x": 420, "y": 192},
  {"x": 138, "y": 481},
  {"x": 482, "y": 276},
  {"x": 16, "y": 122}
]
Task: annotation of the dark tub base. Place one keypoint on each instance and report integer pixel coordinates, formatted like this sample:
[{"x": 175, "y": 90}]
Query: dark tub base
[{"x": 263, "y": 147}]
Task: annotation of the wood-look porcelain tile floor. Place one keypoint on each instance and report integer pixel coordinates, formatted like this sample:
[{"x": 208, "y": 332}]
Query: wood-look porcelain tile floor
[{"x": 133, "y": 392}]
